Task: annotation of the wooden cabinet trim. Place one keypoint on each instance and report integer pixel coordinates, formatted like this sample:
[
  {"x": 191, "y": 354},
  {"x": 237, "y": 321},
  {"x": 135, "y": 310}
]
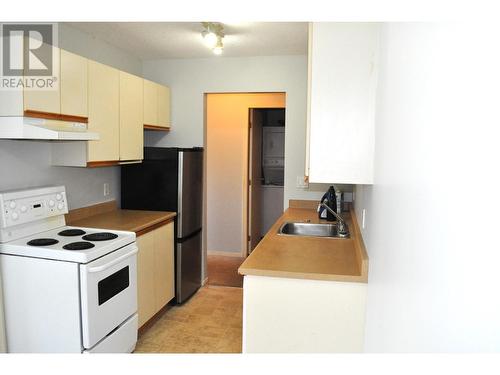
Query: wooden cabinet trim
[
  {"x": 156, "y": 127},
  {"x": 55, "y": 116},
  {"x": 154, "y": 226},
  {"x": 104, "y": 163}
]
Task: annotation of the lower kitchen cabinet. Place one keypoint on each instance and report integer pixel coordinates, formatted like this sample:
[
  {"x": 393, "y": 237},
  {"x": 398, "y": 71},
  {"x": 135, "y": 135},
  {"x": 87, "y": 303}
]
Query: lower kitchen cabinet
[
  {"x": 155, "y": 271},
  {"x": 285, "y": 315}
]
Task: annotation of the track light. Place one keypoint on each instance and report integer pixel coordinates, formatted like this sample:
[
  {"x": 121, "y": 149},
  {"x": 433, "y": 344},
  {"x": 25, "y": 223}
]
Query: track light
[
  {"x": 210, "y": 38},
  {"x": 213, "y": 34},
  {"x": 217, "y": 50}
]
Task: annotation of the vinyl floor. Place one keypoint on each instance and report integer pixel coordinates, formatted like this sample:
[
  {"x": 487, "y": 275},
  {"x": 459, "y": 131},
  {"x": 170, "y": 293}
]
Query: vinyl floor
[
  {"x": 223, "y": 270},
  {"x": 209, "y": 322}
]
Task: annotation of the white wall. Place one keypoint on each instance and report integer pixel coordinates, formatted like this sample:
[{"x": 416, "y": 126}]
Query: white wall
[
  {"x": 430, "y": 224},
  {"x": 81, "y": 43},
  {"x": 189, "y": 79},
  {"x": 27, "y": 163}
]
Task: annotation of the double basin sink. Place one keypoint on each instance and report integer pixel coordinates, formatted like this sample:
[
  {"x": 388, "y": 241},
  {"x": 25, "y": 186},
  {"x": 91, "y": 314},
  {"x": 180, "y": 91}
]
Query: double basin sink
[{"x": 290, "y": 228}]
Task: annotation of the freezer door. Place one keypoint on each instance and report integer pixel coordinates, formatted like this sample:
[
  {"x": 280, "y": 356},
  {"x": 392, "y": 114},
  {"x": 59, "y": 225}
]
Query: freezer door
[
  {"x": 188, "y": 267},
  {"x": 190, "y": 180}
]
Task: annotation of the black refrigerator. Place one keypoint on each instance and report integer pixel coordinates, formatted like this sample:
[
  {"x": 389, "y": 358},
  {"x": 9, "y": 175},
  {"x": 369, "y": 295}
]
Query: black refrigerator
[{"x": 171, "y": 179}]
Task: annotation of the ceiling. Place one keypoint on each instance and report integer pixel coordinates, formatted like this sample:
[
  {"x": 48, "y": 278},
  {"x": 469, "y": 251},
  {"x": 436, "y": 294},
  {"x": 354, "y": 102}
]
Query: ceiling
[{"x": 182, "y": 40}]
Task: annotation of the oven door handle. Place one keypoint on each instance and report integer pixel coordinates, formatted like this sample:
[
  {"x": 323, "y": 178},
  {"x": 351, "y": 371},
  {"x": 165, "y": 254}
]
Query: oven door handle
[{"x": 113, "y": 262}]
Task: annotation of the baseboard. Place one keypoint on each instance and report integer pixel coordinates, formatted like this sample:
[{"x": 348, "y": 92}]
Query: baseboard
[
  {"x": 205, "y": 282},
  {"x": 225, "y": 254}
]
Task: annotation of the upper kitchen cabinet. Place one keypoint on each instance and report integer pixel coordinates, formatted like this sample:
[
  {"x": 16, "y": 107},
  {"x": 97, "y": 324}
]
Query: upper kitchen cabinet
[
  {"x": 65, "y": 100},
  {"x": 45, "y": 103},
  {"x": 163, "y": 106},
  {"x": 156, "y": 106},
  {"x": 342, "y": 85},
  {"x": 74, "y": 84},
  {"x": 131, "y": 117},
  {"x": 150, "y": 103},
  {"x": 104, "y": 113},
  {"x": 115, "y": 112}
]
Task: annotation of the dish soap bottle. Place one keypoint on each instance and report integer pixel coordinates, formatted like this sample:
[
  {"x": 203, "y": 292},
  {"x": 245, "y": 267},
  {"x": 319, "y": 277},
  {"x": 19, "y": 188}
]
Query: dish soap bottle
[{"x": 331, "y": 201}]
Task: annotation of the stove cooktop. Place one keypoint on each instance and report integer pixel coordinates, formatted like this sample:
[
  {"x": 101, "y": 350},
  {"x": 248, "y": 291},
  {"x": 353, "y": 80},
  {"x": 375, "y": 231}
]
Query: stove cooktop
[
  {"x": 72, "y": 244},
  {"x": 71, "y": 232}
]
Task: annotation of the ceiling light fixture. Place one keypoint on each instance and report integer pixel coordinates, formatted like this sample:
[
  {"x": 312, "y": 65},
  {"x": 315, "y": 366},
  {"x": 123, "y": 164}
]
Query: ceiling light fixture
[
  {"x": 210, "y": 38},
  {"x": 217, "y": 50},
  {"x": 213, "y": 34}
]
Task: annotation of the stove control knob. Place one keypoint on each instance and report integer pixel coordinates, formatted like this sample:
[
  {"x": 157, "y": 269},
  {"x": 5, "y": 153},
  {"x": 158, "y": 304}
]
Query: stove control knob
[
  {"x": 60, "y": 206},
  {"x": 51, "y": 203},
  {"x": 24, "y": 209},
  {"x": 12, "y": 204},
  {"x": 15, "y": 216},
  {"x": 58, "y": 197}
]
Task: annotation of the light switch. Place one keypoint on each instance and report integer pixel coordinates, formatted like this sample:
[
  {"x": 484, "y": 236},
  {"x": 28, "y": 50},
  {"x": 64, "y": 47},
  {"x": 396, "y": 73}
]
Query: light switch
[{"x": 302, "y": 182}]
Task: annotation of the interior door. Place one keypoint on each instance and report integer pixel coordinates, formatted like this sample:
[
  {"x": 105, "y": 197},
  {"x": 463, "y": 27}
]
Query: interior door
[{"x": 254, "y": 178}]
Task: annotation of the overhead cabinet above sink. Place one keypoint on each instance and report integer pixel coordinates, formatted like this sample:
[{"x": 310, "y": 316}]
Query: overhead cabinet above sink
[{"x": 341, "y": 100}]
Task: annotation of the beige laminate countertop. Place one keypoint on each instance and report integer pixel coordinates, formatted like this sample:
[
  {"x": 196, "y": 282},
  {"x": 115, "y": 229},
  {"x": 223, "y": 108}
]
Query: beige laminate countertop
[
  {"x": 137, "y": 221},
  {"x": 313, "y": 258}
]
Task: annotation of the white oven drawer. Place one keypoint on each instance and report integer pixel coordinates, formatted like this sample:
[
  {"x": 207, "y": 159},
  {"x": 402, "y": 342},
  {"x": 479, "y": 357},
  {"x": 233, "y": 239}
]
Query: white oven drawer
[
  {"x": 123, "y": 340},
  {"x": 108, "y": 293}
]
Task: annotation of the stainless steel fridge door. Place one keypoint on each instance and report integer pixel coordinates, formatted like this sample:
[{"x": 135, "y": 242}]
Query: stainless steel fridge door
[
  {"x": 188, "y": 270},
  {"x": 190, "y": 205}
]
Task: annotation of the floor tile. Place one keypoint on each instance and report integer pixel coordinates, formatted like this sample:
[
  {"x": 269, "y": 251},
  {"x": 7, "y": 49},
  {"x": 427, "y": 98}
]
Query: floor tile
[{"x": 210, "y": 322}]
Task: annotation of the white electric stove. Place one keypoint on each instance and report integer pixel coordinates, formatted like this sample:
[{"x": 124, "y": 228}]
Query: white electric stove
[{"x": 65, "y": 289}]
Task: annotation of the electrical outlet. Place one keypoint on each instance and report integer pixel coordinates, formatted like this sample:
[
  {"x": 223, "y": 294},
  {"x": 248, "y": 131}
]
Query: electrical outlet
[
  {"x": 363, "y": 217},
  {"x": 106, "y": 189}
]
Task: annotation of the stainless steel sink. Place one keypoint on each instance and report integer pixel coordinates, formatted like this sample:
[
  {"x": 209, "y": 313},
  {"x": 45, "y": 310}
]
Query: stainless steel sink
[{"x": 309, "y": 229}]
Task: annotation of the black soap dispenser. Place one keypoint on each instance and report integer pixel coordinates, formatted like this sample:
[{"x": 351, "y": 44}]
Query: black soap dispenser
[{"x": 331, "y": 201}]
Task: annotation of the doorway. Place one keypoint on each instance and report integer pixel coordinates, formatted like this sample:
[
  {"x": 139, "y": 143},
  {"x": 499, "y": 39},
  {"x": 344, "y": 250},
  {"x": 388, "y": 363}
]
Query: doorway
[
  {"x": 266, "y": 171},
  {"x": 226, "y": 202}
]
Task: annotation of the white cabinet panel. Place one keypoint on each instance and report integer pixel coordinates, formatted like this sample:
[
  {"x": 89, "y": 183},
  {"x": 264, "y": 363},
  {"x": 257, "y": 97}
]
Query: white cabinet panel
[
  {"x": 282, "y": 315},
  {"x": 343, "y": 78}
]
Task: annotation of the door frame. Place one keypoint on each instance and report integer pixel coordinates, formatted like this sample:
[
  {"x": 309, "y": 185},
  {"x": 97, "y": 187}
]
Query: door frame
[
  {"x": 244, "y": 250},
  {"x": 247, "y": 248}
]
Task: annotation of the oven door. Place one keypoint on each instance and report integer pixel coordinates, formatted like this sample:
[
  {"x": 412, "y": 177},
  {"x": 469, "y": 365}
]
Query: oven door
[{"x": 108, "y": 293}]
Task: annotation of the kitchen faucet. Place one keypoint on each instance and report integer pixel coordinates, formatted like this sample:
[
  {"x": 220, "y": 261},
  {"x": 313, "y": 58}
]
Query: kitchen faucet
[{"x": 342, "y": 228}]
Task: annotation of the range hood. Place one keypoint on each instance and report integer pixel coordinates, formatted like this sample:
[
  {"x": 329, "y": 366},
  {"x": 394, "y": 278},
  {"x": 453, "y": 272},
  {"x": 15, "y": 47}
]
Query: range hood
[{"x": 18, "y": 127}]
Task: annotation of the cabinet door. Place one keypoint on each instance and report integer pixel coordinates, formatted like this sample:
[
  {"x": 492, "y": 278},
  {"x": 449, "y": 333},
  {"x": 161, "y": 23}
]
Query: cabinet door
[
  {"x": 150, "y": 103},
  {"x": 104, "y": 102},
  {"x": 145, "y": 277},
  {"x": 164, "y": 265},
  {"x": 74, "y": 84},
  {"x": 48, "y": 101},
  {"x": 163, "y": 106},
  {"x": 342, "y": 84},
  {"x": 131, "y": 112}
]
